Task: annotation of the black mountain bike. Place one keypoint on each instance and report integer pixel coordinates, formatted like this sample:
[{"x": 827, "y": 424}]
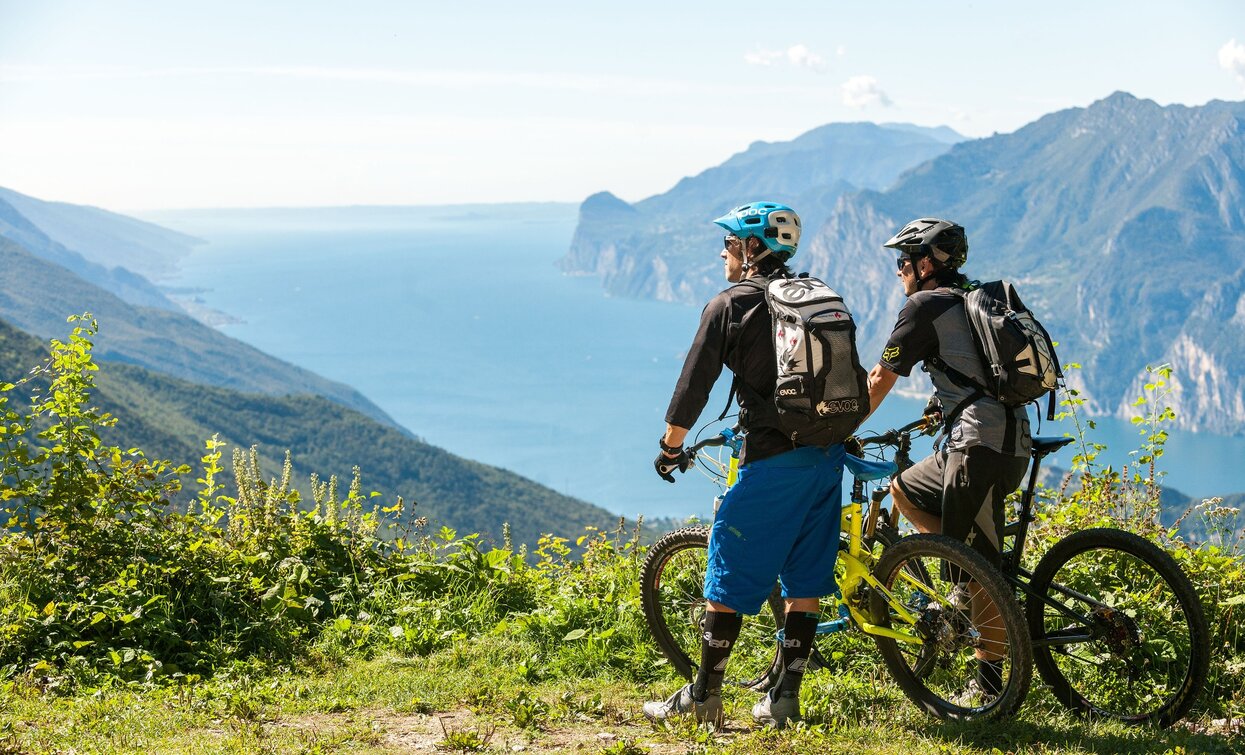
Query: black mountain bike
[{"x": 1116, "y": 627}]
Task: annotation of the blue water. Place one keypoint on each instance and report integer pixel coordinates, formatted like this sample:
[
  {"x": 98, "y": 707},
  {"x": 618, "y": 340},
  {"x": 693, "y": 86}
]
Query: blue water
[{"x": 457, "y": 322}]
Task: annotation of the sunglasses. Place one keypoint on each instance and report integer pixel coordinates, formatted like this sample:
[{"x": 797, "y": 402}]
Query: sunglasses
[
  {"x": 903, "y": 260},
  {"x": 728, "y": 238}
]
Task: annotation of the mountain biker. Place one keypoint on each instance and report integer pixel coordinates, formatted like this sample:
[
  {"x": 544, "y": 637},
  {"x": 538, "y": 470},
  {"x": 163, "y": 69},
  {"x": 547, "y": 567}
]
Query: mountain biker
[
  {"x": 959, "y": 490},
  {"x": 781, "y": 519}
]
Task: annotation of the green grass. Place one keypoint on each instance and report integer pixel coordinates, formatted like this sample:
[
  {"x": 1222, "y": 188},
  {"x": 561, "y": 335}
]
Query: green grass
[
  {"x": 258, "y": 622},
  {"x": 468, "y": 694}
]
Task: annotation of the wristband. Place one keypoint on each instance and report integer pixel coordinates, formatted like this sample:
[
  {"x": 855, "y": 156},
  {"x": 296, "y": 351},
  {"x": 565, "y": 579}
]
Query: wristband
[{"x": 668, "y": 449}]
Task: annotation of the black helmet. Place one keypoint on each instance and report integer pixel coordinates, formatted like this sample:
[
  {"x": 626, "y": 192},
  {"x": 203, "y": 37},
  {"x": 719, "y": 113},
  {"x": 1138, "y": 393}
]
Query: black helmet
[{"x": 944, "y": 240}]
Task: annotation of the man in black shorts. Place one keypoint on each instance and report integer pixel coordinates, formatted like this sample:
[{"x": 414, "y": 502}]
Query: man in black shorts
[{"x": 960, "y": 489}]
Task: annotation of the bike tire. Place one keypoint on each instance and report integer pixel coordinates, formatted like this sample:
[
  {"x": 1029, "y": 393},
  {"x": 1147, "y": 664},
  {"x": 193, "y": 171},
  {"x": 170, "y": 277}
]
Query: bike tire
[
  {"x": 936, "y": 675},
  {"x": 671, "y": 591},
  {"x": 1149, "y": 654}
]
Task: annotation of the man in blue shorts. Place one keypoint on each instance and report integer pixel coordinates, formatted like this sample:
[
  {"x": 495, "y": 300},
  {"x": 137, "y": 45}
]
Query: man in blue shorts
[{"x": 781, "y": 519}]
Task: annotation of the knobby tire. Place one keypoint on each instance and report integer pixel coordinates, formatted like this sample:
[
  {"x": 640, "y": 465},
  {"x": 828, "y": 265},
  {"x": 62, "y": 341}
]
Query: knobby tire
[
  {"x": 671, "y": 591},
  {"x": 1149, "y": 654},
  {"x": 936, "y": 675}
]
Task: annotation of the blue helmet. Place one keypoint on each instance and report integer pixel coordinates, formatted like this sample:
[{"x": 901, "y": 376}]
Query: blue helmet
[{"x": 776, "y": 225}]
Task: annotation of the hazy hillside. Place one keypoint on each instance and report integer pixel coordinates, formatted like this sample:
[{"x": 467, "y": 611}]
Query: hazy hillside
[
  {"x": 120, "y": 281},
  {"x": 665, "y": 246},
  {"x": 171, "y": 418},
  {"x": 37, "y": 296},
  {"x": 105, "y": 238}
]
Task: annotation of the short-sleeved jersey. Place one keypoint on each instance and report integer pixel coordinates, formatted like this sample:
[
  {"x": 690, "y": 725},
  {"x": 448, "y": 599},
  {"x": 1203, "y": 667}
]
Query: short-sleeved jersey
[
  {"x": 933, "y": 324},
  {"x": 734, "y": 331}
]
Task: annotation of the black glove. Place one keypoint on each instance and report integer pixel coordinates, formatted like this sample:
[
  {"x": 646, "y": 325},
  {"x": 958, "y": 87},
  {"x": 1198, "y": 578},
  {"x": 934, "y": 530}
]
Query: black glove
[
  {"x": 853, "y": 447},
  {"x": 665, "y": 465},
  {"x": 933, "y": 409}
]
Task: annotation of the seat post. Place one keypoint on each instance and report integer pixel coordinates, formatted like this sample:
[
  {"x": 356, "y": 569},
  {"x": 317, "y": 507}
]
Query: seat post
[{"x": 1026, "y": 511}]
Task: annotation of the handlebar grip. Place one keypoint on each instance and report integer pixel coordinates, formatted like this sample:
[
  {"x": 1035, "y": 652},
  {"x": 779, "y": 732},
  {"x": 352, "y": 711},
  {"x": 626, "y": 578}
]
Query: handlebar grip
[{"x": 716, "y": 440}]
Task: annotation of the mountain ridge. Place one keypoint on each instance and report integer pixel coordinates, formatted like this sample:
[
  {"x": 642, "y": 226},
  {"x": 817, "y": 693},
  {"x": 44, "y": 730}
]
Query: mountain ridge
[
  {"x": 1122, "y": 224},
  {"x": 652, "y": 248}
]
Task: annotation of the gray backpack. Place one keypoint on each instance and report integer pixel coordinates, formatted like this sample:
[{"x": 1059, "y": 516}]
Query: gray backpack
[
  {"x": 1017, "y": 354},
  {"x": 822, "y": 393}
]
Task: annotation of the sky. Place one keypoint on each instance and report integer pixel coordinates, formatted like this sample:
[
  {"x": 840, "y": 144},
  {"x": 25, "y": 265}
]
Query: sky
[{"x": 134, "y": 105}]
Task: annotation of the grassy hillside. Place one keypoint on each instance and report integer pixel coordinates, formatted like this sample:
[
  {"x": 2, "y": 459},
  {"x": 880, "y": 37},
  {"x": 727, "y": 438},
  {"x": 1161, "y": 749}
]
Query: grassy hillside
[
  {"x": 171, "y": 418},
  {"x": 250, "y": 623}
]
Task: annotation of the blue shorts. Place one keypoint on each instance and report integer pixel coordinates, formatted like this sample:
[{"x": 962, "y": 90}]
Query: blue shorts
[{"x": 780, "y": 520}]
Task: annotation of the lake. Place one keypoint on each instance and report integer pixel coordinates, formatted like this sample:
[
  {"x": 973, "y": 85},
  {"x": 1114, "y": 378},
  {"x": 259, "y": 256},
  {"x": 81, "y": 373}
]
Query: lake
[{"x": 457, "y": 322}]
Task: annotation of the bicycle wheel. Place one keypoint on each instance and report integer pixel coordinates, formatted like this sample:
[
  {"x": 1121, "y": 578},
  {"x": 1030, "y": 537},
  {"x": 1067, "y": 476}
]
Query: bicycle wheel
[
  {"x": 671, "y": 591},
  {"x": 962, "y": 606},
  {"x": 1130, "y": 637}
]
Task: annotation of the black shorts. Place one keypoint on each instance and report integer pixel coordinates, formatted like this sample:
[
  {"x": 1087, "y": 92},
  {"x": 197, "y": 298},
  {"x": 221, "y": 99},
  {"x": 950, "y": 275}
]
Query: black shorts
[{"x": 967, "y": 488}]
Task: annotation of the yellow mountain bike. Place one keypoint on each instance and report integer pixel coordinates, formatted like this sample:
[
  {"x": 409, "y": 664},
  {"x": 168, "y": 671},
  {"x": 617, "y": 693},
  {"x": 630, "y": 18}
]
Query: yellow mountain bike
[{"x": 932, "y": 606}]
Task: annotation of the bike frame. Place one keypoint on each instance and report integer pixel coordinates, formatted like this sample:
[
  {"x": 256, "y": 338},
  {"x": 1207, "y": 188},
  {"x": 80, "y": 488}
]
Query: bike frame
[
  {"x": 857, "y": 560},
  {"x": 1016, "y": 575}
]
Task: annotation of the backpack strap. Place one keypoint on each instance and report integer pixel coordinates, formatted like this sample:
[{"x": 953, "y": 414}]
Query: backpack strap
[
  {"x": 978, "y": 390},
  {"x": 734, "y": 391}
]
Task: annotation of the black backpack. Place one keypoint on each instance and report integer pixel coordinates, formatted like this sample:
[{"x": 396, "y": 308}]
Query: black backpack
[
  {"x": 1017, "y": 354},
  {"x": 822, "y": 392}
]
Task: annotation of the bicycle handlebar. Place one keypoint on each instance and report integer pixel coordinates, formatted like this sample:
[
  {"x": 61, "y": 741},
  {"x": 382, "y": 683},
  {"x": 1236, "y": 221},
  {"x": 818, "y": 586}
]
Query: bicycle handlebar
[
  {"x": 716, "y": 440},
  {"x": 925, "y": 424},
  {"x": 729, "y": 435}
]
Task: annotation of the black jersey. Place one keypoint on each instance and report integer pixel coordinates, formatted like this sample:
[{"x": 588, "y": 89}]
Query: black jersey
[
  {"x": 932, "y": 323},
  {"x": 734, "y": 331}
]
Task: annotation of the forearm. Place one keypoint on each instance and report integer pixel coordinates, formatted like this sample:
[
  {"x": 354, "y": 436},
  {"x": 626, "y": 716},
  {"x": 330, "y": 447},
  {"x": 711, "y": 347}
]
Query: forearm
[
  {"x": 674, "y": 436},
  {"x": 881, "y": 380}
]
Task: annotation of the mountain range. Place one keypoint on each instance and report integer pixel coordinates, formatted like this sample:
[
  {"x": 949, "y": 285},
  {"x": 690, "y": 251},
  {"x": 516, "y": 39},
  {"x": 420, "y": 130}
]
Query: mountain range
[
  {"x": 663, "y": 247},
  {"x": 1122, "y": 225}
]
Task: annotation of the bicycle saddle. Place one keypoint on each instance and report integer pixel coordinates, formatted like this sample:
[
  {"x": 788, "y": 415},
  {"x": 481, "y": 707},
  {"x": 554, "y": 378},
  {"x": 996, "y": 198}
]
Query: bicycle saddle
[
  {"x": 1043, "y": 445},
  {"x": 868, "y": 471}
]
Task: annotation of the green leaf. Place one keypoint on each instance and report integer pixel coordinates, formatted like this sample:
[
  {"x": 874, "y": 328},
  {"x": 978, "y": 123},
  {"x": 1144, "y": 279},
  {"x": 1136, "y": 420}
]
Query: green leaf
[{"x": 577, "y": 634}]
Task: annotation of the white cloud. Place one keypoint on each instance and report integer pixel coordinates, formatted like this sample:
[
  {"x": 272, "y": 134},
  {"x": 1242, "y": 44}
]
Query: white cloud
[
  {"x": 797, "y": 55},
  {"x": 1232, "y": 58},
  {"x": 841, "y": 51},
  {"x": 801, "y": 56},
  {"x": 862, "y": 91},
  {"x": 763, "y": 57}
]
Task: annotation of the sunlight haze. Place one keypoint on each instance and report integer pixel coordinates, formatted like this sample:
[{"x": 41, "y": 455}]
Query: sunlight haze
[{"x": 132, "y": 105}]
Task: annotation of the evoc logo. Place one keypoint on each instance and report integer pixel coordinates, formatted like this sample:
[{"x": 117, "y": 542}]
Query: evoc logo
[
  {"x": 838, "y": 407},
  {"x": 788, "y": 392}
]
